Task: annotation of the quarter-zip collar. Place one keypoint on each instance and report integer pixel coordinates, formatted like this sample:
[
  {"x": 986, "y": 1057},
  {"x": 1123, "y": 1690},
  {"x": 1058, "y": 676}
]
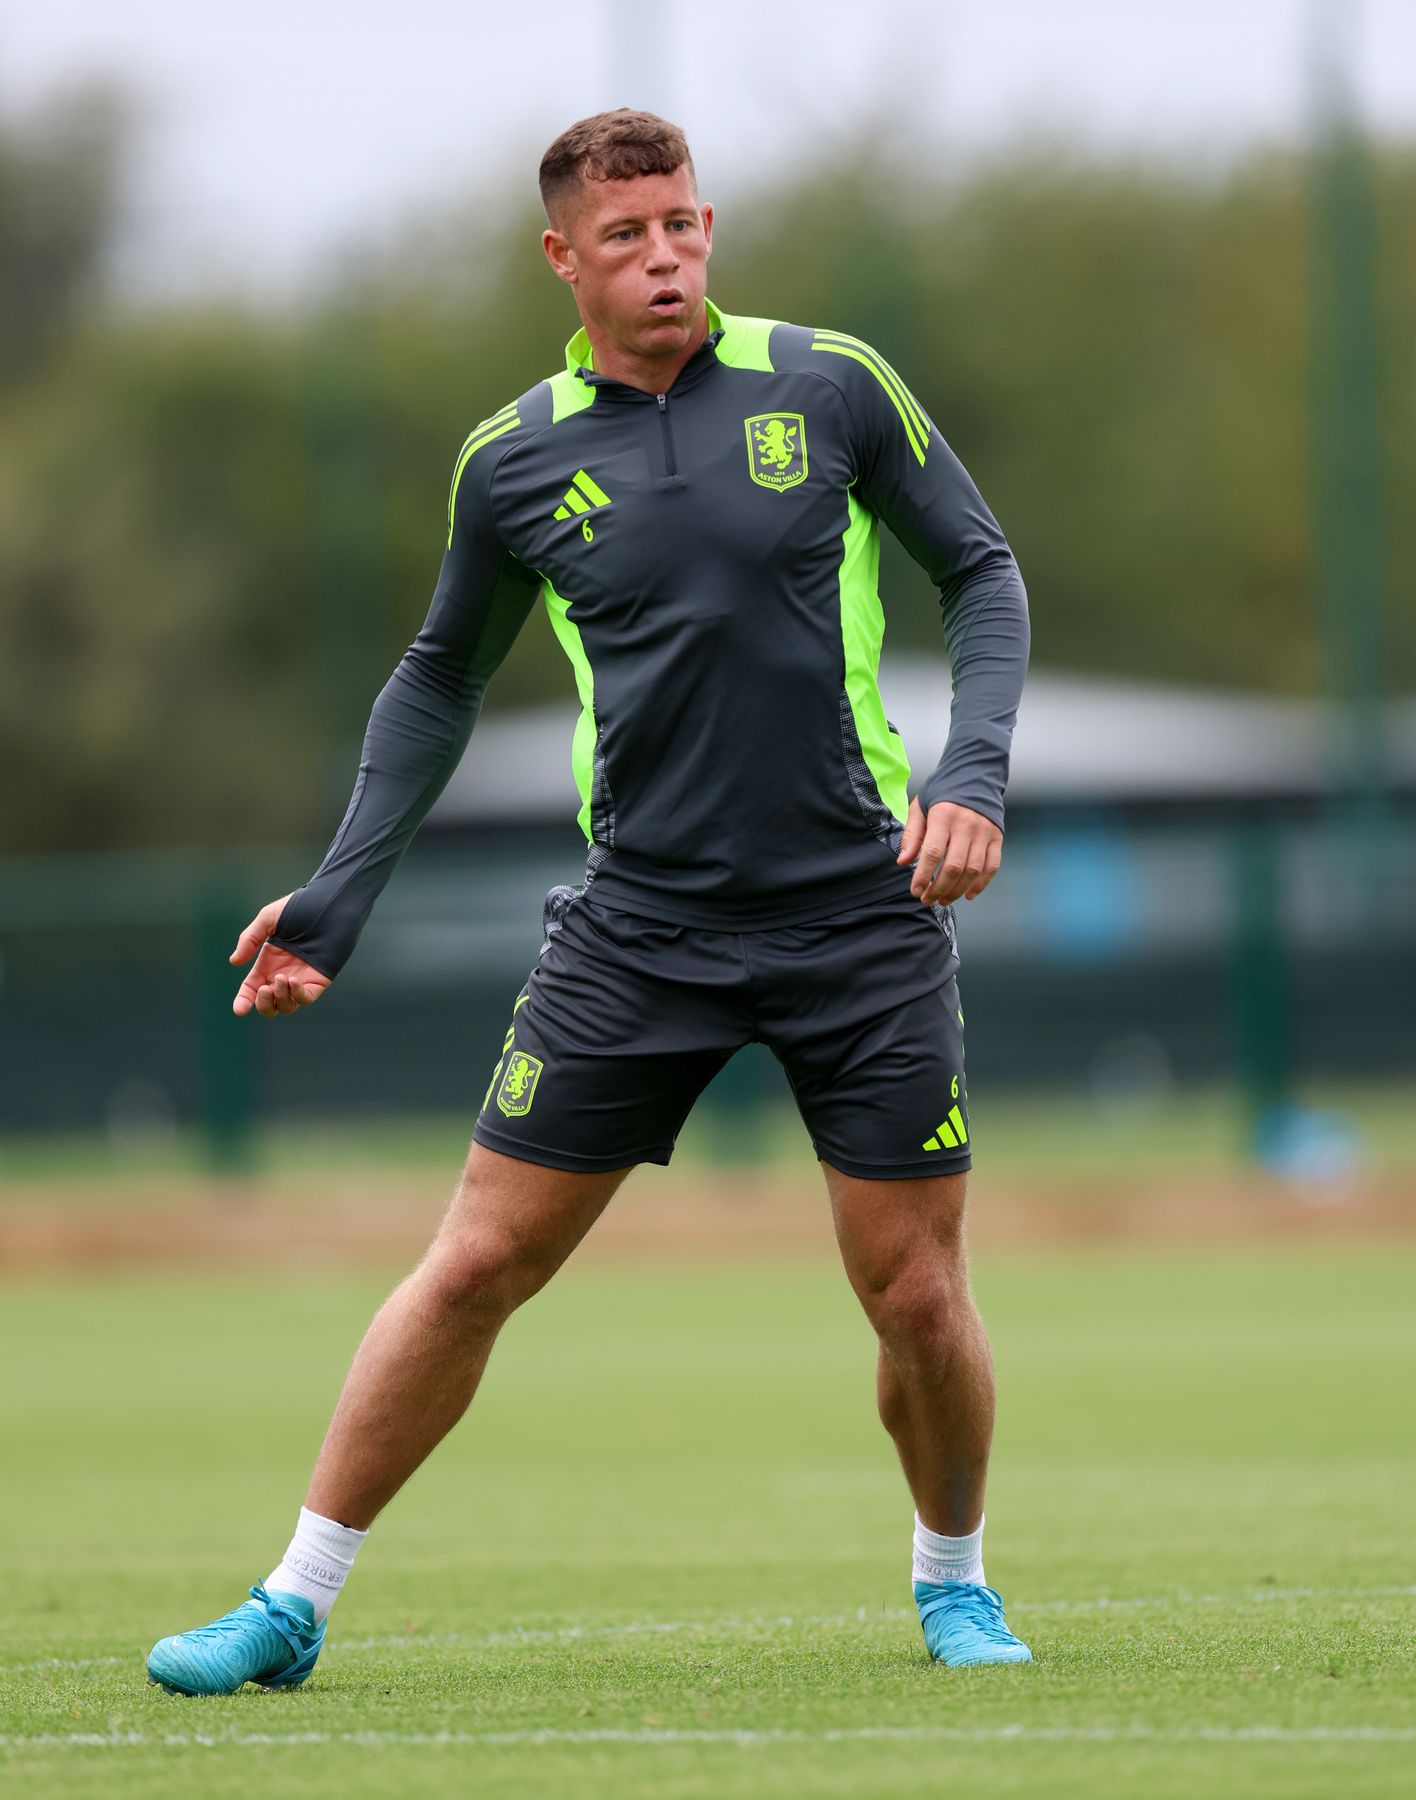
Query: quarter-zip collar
[{"x": 579, "y": 360}]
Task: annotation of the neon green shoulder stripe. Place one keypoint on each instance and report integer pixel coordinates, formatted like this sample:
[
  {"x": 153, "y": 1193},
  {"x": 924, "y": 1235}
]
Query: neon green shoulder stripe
[
  {"x": 495, "y": 418},
  {"x": 490, "y": 429},
  {"x": 917, "y": 412},
  {"x": 912, "y": 415}
]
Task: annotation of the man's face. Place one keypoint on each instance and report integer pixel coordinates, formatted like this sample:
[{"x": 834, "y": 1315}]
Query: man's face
[{"x": 636, "y": 254}]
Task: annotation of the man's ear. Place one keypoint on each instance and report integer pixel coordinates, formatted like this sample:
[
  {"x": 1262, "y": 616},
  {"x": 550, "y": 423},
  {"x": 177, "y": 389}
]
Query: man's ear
[
  {"x": 560, "y": 254},
  {"x": 706, "y": 214}
]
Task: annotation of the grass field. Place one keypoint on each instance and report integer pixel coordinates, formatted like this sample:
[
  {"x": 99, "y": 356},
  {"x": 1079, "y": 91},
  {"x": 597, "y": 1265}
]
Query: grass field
[{"x": 668, "y": 1553}]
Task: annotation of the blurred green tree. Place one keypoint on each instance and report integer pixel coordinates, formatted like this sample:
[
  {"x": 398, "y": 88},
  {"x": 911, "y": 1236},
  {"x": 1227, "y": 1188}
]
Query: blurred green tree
[{"x": 60, "y": 180}]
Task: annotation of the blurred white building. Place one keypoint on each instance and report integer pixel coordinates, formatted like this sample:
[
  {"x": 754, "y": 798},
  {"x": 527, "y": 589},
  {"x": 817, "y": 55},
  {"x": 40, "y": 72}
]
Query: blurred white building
[{"x": 1080, "y": 739}]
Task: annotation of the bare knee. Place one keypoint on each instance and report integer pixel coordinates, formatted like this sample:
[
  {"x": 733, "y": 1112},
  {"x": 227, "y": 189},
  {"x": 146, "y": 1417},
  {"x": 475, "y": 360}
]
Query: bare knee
[
  {"x": 509, "y": 1227},
  {"x": 903, "y": 1247},
  {"x": 481, "y": 1273},
  {"x": 918, "y": 1301}
]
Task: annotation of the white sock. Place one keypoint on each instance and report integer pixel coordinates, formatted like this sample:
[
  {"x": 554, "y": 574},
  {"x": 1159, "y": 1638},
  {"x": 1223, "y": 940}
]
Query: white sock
[
  {"x": 938, "y": 1558},
  {"x": 321, "y": 1554}
]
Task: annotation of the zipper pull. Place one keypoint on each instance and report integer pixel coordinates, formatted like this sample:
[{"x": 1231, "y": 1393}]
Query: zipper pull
[{"x": 663, "y": 400}]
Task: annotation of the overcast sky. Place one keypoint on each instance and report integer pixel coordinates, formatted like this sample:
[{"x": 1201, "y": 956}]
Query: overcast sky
[{"x": 278, "y": 129}]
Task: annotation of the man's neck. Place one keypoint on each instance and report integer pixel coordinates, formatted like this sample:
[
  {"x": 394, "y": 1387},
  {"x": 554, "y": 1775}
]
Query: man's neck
[{"x": 651, "y": 374}]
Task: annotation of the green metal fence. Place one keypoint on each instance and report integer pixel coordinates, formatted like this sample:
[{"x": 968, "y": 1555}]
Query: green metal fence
[{"x": 1255, "y": 953}]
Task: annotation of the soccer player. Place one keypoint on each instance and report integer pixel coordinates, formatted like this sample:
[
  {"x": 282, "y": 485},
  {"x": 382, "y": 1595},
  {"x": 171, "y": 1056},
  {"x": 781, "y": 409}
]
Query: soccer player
[{"x": 696, "y": 497}]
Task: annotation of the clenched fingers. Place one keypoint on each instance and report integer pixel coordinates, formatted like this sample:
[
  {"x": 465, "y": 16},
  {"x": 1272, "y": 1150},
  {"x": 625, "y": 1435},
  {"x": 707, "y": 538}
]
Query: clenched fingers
[
  {"x": 280, "y": 996},
  {"x": 961, "y": 854},
  {"x": 279, "y": 983},
  {"x": 992, "y": 857}
]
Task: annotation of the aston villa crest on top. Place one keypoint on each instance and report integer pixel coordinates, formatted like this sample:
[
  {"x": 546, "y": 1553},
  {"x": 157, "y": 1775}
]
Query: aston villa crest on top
[{"x": 776, "y": 449}]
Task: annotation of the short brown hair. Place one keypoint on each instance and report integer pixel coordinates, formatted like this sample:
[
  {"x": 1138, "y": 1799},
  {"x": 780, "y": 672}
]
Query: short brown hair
[{"x": 611, "y": 146}]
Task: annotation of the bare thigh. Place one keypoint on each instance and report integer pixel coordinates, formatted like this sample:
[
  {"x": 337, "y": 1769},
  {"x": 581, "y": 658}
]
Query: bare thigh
[
  {"x": 515, "y": 1222},
  {"x": 898, "y": 1235}
]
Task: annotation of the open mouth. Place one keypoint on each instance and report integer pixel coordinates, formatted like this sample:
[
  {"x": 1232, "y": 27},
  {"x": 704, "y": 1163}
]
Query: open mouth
[{"x": 667, "y": 300}]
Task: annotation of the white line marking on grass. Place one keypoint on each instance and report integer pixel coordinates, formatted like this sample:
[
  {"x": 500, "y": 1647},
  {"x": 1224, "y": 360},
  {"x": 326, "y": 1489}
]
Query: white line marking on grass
[
  {"x": 570, "y": 1634},
  {"x": 1256, "y": 1596},
  {"x": 747, "y": 1739},
  {"x": 861, "y": 1616},
  {"x": 61, "y": 1662}
]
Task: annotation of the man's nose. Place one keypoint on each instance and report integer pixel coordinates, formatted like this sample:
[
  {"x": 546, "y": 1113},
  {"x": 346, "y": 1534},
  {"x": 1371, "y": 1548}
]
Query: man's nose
[{"x": 663, "y": 252}]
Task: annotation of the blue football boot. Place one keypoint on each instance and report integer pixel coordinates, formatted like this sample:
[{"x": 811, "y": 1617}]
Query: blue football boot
[
  {"x": 963, "y": 1625},
  {"x": 271, "y": 1639}
]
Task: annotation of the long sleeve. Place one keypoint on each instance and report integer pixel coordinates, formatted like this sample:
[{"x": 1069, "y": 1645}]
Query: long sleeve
[
  {"x": 911, "y": 479},
  {"x": 419, "y": 726}
]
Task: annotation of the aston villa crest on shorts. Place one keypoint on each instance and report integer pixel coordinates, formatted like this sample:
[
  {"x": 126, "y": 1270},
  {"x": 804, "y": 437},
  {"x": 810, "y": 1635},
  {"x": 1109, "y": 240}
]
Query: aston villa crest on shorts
[
  {"x": 518, "y": 1085},
  {"x": 776, "y": 449}
]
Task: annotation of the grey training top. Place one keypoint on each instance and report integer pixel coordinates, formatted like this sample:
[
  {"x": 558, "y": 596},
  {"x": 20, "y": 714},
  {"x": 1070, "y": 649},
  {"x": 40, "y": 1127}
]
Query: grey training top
[{"x": 708, "y": 559}]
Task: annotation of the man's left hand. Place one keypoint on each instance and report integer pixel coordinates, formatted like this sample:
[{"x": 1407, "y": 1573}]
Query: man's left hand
[{"x": 959, "y": 852}]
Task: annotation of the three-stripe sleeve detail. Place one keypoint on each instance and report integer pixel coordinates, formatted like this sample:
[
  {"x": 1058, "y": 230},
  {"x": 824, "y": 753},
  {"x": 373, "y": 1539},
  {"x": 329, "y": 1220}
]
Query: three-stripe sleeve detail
[
  {"x": 912, "y": 415},
  {"x": 496, "y": 426}
]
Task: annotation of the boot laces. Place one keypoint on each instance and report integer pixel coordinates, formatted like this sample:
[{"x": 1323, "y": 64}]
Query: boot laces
[
  {"x": 981, "y": 1606},
  {"x": 289, "y": 1624}
]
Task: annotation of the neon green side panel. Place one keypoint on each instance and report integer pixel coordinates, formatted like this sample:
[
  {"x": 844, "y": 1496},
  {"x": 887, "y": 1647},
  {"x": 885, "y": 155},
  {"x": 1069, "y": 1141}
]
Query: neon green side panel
[
  {"x": 744, "y": 343},
  {"x": 568, "y": 395},
  {"x": 582, "y": 749},
  {"x": 862, "y": 633}
]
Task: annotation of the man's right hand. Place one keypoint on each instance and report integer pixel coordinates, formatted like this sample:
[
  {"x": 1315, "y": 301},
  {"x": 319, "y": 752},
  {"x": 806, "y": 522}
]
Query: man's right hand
[{"x": 278, "y": 982}]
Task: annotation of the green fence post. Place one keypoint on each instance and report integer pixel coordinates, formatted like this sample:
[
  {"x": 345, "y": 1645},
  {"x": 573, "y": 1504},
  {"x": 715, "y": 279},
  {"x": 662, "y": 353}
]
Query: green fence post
[
  {"x": 733, "y": 1112},
  {"x": 1259, "y": 977},
  {"x": 1348, "y": 366}
]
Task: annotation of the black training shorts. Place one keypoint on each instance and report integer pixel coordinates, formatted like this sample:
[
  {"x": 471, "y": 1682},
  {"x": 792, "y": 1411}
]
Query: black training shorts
[{"x": 625, "y": 1020}]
